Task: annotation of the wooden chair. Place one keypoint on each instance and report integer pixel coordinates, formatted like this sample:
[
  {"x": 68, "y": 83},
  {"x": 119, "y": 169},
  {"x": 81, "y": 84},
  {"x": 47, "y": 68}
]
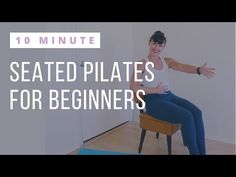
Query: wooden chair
[{"x": 150, "y": 123}]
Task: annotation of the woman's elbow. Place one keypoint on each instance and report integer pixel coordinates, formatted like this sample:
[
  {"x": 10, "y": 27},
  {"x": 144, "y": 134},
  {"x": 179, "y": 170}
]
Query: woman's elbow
[{"x": 132, "y": 87}]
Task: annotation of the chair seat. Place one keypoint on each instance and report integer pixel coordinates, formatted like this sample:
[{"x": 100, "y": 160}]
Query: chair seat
[{"x": 148, "y": 122}]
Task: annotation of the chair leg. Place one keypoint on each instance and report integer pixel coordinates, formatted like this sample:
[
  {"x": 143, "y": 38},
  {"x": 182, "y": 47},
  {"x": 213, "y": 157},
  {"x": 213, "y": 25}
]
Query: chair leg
[
  {"x": 157, "y": 135},
  {"x": 184, "y": 143},
  {"x": 183, "y": 140},
  {"x": 143, "y": 133},
  {"x": 169, "y": 144}
]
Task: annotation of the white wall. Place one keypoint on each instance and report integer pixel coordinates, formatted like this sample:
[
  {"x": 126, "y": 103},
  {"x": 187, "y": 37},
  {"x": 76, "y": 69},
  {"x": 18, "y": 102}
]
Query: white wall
[
  {"x": 60, "y": 131},
  {"x": 65, "y": 130},
  {"x": 195, "y": 43},
  {"x": 21, "y": 132},
  {"x": 63, "y": 127},
  {"x": 36, "y": 131},
  {"x": 116, "y": 46}
]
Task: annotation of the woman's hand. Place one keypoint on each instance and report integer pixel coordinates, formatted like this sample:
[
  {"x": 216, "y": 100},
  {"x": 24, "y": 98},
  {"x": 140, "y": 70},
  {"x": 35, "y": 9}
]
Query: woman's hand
[
  {"x": 208, "y": 72},
  {"x": 161, "y": 89}
]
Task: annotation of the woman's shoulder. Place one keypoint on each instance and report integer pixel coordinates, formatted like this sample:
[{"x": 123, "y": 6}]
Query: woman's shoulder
[{"x": 169, "y": 60}]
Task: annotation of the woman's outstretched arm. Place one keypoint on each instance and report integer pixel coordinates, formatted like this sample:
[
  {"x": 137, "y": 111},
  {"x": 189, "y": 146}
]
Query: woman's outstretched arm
[{"x": 187, "y": 68}]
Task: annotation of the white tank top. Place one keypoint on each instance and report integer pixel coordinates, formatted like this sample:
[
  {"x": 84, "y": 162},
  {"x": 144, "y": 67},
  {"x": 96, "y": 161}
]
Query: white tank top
[{"x": 160, "y": 75}]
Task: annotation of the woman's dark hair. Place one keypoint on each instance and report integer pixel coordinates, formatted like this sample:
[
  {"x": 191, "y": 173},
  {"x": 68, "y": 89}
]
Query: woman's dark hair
[{"x": 158, "y": 37}]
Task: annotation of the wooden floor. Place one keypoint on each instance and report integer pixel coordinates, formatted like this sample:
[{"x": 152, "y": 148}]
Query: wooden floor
[{"x": 126, "y": 139}]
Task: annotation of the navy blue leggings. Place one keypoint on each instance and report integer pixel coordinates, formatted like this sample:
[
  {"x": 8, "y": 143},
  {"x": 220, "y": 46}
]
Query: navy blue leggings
[{"x": 174, "y": 109}]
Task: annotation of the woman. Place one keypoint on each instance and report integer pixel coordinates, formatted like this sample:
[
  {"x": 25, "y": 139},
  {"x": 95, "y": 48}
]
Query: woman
[{"x": 162, "y": 103}]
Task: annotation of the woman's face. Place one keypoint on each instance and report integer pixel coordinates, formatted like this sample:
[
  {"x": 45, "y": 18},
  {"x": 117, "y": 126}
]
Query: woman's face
[{"x": 156, "y": 48}]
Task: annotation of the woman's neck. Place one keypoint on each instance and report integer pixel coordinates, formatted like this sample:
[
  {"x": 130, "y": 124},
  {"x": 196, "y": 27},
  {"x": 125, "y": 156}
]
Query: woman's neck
[{"x": 153, "y": 57}]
